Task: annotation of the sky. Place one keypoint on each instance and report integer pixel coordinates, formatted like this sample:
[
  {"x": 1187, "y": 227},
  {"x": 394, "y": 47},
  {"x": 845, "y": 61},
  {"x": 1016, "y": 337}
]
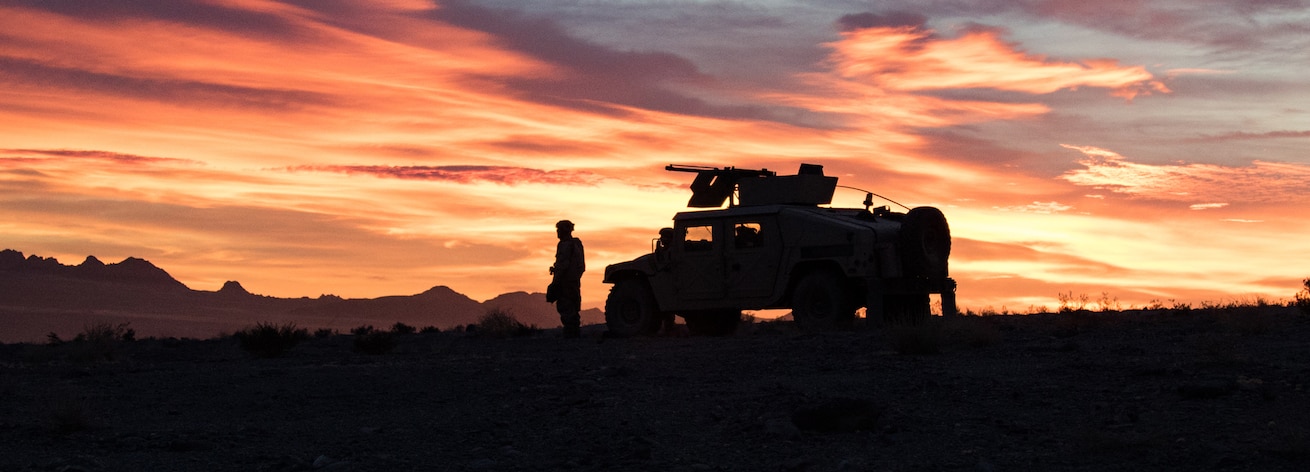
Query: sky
[{"x": 1129, "y": 150}]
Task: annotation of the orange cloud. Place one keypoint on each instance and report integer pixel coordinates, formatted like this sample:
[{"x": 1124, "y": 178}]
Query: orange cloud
[
  {"x": 1207, "y": 185},
  {"x": 464, "y": 174},
  {"x": 377, "y": 148},
  {"x": 915, "y": 59}
]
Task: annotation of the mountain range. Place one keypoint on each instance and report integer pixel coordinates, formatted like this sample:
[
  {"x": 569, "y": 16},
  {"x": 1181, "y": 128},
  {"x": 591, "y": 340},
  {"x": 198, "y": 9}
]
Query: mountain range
[{"x": 40, "y": 295}]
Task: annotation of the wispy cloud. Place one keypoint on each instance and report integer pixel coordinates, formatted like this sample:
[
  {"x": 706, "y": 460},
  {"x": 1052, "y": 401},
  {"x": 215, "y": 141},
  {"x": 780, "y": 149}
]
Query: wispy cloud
[
  {"x": 73, "y": 154},
  {"x": 1242, "y": 135},
  {"x": 914, "y": 59},
  {"x": 1038, "y": 207},
  {"x": 1202, "y": 183},
  {"x": 465, "y": 174}
]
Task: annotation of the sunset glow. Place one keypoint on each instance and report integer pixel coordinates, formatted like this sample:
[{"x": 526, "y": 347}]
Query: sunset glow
[{"x": 365, "y": 148}]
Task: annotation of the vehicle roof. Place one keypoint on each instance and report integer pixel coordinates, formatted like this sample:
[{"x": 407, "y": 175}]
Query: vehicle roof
[{"x": 757, "y": 210}]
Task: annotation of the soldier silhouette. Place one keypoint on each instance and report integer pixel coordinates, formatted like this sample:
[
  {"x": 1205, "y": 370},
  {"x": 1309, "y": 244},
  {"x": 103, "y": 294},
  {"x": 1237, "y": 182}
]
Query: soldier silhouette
[{"x": 566, "y": 284}]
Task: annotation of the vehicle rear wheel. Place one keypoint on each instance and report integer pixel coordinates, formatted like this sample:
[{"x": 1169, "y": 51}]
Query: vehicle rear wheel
[
  {"x": 713, "y": 323},
  {"x": 630, "y": 310},
  {"x": 819, "y": 302}
]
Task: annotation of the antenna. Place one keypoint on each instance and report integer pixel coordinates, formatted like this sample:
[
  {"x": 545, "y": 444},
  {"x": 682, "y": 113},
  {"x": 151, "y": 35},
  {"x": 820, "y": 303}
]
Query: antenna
[{"x": 868, "y": 197}]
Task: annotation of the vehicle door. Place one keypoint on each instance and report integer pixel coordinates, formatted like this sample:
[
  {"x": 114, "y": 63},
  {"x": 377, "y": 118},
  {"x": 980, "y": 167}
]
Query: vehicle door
[
  {"x": 698, "y": 272},
  {"x": 752, "y": 257}
]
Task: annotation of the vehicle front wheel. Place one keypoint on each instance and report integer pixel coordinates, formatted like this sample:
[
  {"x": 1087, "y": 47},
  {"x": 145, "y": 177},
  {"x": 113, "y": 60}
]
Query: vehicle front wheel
[
  {"x": 630, "y": 310},
  {"x": 820, "y": 303}
]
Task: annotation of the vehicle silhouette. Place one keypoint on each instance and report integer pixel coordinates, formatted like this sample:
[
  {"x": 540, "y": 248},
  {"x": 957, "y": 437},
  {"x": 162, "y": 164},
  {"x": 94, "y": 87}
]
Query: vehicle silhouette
[{"x": 775, "y": 247}]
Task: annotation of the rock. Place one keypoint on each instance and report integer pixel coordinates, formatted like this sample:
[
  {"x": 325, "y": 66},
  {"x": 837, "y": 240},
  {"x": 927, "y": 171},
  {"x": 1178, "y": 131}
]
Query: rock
[
  {"x": 482, "y": 464},
  {"x": 322, "y": 461}
]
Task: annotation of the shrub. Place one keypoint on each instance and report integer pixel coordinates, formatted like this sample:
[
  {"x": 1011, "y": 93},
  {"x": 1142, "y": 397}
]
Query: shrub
[
  {"x": 362, "y": 330},
  {"x": 1302, "y": 299},
  {"x": 500, "y": 323},
  {"x": 402, "y": 328},
  {"x": 429, "y": 329},
  {"x": 1071, "y": 303},
  {"x": 374, "y": 342},
  {"x": 324, "y": 332},
  {"x": 105, "y": 332},
  {"x": 270, "y": 340},
  {"x": 96, "y": 342}
]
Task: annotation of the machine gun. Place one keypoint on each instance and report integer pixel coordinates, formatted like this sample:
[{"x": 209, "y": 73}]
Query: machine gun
[{"x": 713, "y": 185}]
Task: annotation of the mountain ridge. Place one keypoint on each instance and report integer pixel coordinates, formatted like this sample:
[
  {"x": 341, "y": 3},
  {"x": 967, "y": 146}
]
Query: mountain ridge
[{"x": 41, "y": 295}]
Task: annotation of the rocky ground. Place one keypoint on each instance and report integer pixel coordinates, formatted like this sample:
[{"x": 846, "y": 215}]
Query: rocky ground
[{"x": 1196, "y": 390}]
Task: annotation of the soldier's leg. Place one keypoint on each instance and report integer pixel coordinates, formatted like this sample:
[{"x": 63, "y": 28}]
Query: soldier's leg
[{"x": 569, "y": 307}]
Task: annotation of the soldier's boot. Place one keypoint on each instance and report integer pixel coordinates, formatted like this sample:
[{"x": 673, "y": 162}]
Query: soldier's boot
[{"x": 572, "y": 322}]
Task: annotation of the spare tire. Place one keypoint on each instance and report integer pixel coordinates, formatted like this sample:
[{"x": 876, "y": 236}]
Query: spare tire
[{"x": 924, "y": 243}]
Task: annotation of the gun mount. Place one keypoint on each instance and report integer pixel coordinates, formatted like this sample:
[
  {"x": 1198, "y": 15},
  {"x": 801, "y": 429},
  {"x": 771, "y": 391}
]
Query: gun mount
[{"x": 753, "y": 187}]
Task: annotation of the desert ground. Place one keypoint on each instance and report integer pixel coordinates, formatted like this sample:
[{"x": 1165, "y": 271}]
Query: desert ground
[{"x": 1160, "y": 390}]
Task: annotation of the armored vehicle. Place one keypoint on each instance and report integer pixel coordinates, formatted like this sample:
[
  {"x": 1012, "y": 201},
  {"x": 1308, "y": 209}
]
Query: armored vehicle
[{"x": 775, "y": 247}]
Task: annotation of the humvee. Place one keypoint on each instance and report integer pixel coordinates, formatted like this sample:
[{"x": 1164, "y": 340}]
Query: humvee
[{"x": 775, "y": 247}]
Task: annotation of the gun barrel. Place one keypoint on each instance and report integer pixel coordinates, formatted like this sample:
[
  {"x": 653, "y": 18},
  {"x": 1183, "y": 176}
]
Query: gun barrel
[
  {"x": 727, "y": 171},
  {"x": 680, "y": 168}
]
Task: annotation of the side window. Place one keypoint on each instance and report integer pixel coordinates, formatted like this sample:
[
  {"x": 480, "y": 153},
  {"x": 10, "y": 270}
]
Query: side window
[
  {"x": 699, "y": 238},
  {"x": 747, "y": 235}
]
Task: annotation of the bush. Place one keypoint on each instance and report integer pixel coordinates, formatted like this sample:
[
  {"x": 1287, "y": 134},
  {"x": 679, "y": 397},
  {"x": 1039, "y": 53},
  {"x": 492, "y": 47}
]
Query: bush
[
  {"x": 374, "y": 342},
  {"x": 500, "y": 323},
  {"x": 429, "y": 330},
  {"x": 362, "y": 330},
  {"x": 324, "y": 333},
  {"x": 270, "y": 340},
  {"x": 96, "y": 342},
  {"x": 402, "y": 328},
  {"x": 1302, "y": 299},
  {"x": 105, "y": 332}
]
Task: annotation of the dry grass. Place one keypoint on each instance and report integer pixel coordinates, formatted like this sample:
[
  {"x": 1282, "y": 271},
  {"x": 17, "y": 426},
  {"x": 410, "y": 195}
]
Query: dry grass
[
  {"x": 499, "y": 323},
  {"x": 1302, "y": 299},
  {"x": 99, "y": 342}
]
